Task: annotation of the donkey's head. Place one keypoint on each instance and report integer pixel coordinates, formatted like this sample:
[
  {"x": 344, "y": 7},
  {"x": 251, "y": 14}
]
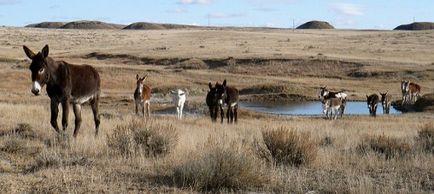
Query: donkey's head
[
  {"x": 221, "y": 92},
  {"x": 372, "y": 102},
  {"x": 405, "y": 85},
  {"x": 140, "y": 82},
  {"x": 211, "y": 97},
  {"x": 384, "y": 98},
  {"x": 39, "y": 68},
  {"x": 323, "y": 92}
]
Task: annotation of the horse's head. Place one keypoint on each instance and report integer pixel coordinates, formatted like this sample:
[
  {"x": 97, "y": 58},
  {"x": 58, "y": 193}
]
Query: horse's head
[
  {"x": 140, "y": 82},
  {"x": 221, "y": 92},
  {"x": 372, "y": 102},
  {"x": 39, "y": 68}
]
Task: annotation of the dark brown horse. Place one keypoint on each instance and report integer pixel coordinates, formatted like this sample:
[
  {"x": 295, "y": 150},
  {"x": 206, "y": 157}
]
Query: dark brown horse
[
  {"x": 372, "y": 101},
  {"x": 142, "y": 96},
  {"x": 66, "y": 84},
  {"x": 212, "y": 102},
  {"x": 229, "y": 96}
]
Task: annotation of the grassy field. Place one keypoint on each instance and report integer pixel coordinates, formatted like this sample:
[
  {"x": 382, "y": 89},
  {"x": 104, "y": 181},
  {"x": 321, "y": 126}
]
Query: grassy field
[{"x": 262, "y": 153}]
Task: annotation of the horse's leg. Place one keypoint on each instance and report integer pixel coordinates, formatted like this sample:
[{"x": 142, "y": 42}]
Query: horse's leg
[
  {"x": 95, "y": 110},
  {"x": 65, "y": 114},
  {"x": 215, "y": 110},
  {"x": 137, "y": 108},
  {"x": 77, "y": 113},
  {"x": 54, "y": 112}
]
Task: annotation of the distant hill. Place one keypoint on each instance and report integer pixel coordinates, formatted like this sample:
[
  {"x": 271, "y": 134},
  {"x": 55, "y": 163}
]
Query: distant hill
[
  {"x": 91, "y": 25},
  {"x": 156, "y": 26},
  {"x": 46, "y": 25},
  {"x": 316, "y": 25},
  {"x": 416, "y": 26}
]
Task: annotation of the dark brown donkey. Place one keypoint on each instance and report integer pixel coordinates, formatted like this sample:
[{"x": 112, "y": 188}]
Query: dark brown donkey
[
  {"x": 212, "y": 102},
  {"x": 66, "y": 84},
  {"x": 229, "y": 96},
  {"x": 142, "y": 96},
  {"x": 386, "y": 101},
  {"x": 372, "y": 101}
]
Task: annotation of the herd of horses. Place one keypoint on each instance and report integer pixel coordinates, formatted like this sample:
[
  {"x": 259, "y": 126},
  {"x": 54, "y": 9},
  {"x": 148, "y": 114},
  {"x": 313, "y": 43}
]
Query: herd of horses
[{"x": 69, "y": 84}]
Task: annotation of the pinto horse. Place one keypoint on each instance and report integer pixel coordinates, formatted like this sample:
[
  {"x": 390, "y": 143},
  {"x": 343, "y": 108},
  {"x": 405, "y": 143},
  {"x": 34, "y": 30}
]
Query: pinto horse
[
  {"x": 142, "y": 96},
  {"x": 212, "y": 102},
  {"x": 386, "y": 101},
  {"x": 410, "y": 91},
  {"x": 229, "y": 96},
  {"x": 66, "y": 84},
  {"x": 372, "y": 102}
]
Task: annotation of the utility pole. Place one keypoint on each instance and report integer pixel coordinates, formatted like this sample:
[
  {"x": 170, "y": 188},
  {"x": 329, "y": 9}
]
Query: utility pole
[
  {"x": 293, "y": 24},
  {"x": 209, "y": 20}
]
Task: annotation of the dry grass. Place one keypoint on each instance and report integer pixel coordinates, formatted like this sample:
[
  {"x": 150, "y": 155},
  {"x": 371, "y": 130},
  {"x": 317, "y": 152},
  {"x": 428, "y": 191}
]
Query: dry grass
[
  {"x": 33, "y": 158},
  {"x": 290, "y": 147}
]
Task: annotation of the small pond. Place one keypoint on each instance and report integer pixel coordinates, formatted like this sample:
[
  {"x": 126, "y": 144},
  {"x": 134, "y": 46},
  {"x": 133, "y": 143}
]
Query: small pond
[{"x": 309, "y": 108}]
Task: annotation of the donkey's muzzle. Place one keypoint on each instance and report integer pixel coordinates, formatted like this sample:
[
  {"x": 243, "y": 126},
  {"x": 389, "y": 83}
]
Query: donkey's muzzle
[{"x": 36, "y": 88}]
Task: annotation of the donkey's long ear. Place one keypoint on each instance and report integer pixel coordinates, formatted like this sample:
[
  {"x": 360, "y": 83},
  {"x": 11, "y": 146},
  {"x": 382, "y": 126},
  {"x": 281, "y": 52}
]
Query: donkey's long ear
[
  {"x": 144, "y": 77},
  {"x": 28, "y": 52},
  {"x": 210, "y": 85},
  {"x": 45, "y": 51},
  {"x": 137, "y": 77},
  {"x": 224, "y": 83}
]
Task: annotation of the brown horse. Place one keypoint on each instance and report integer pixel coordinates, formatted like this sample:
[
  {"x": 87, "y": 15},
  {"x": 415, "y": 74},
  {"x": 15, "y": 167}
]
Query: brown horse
[
  {"x": 229, "y": 96},
  {"x": 372, "y": 101},
  {"x": 142, "y": 96},
  {"x": 66, "y": 84}
]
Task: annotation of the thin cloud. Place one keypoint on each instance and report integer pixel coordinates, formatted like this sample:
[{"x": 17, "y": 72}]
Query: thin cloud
[
  {"x": 192, "y": 2},
  {"x": 348, "y": 9},
  {"x": 220, "y": 15},
  {"x": 177, "y": 11},
  {"x": 9, "y": 2}
]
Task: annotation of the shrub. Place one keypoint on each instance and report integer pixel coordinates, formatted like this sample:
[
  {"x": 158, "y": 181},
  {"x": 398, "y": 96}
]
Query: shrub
[
  {"x": 220, "y": 167},
  {"x": 383, "y": 145},
  {"x": 425, "y": 138},
  {"x": 45, "y": 160},
  {"x": 290, "y": 147},
  {"x": 143, "y": 137},
  {"x": 13, "y": 145}
]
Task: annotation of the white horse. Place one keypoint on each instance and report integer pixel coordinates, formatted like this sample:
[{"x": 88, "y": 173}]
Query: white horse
[{"x": 178, "y": 97}]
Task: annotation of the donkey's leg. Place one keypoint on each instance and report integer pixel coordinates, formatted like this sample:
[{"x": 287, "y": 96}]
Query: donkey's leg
[
  {"x": 236, "y": 113},
  {"x": 148, "y": 109},
  {"x": 228, "y": 114},
  {"x": 65, "y": 114},
  {"x": 143, "y": 109},
  {"x": 180, "y": 111},
  {"x": 95, "y": 110},
  {"x": 54, "y": 112},
  {"x": 177, "y": 112},
  {"x": 77, "y": 113},
  {"x": 222, "y": 114}
]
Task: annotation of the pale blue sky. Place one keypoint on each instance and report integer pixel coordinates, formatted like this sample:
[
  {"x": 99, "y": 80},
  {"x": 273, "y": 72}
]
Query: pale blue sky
[{"x": 359, "y": 14}]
